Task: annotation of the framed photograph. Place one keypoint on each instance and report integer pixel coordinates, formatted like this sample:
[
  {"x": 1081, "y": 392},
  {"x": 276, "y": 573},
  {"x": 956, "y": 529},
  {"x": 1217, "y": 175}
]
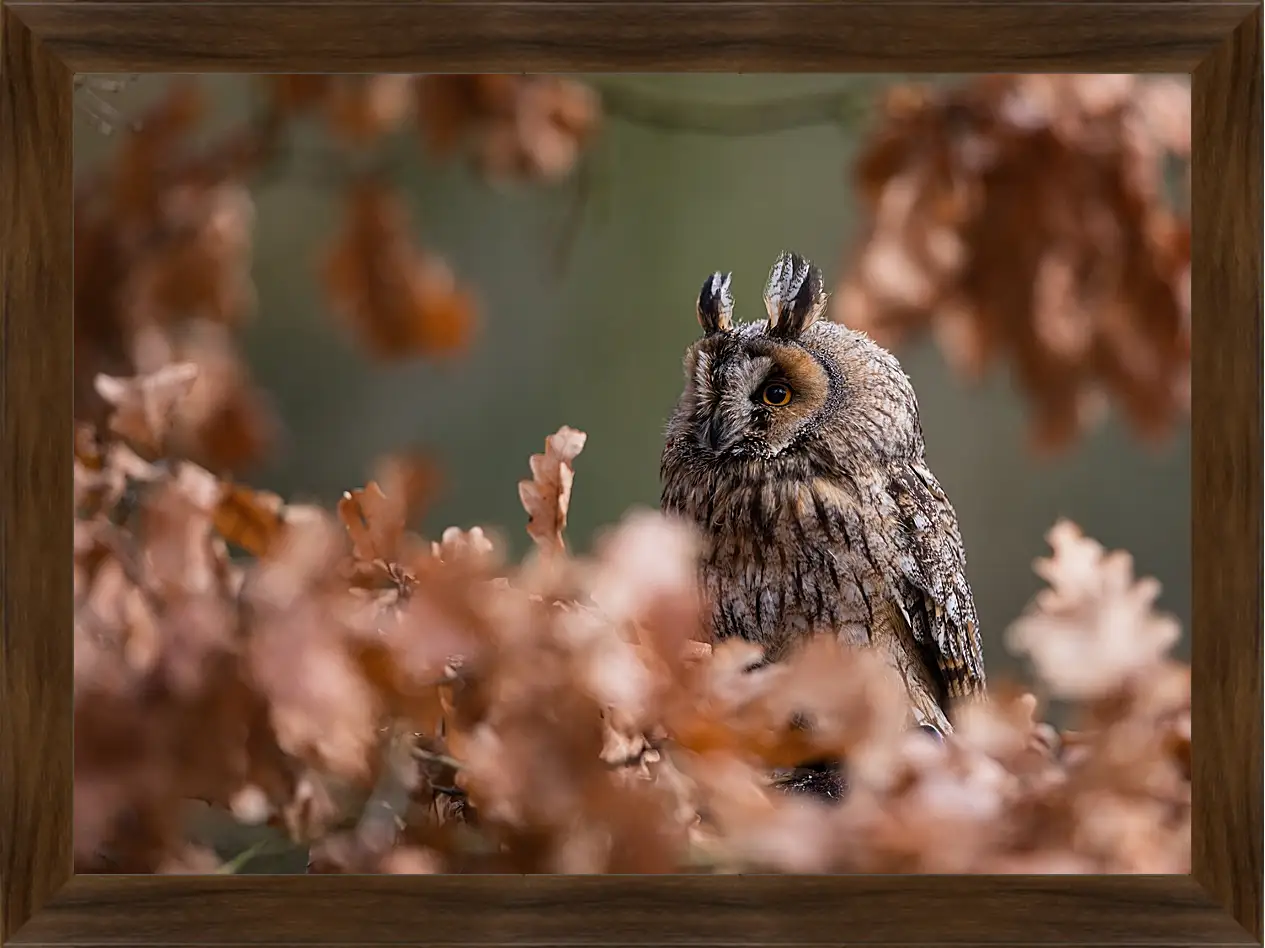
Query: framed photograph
[{"x": 657, "y": 473}]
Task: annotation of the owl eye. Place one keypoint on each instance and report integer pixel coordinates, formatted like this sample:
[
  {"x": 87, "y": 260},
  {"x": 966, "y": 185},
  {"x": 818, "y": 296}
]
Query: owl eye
[{"x": 777, "y": 394}]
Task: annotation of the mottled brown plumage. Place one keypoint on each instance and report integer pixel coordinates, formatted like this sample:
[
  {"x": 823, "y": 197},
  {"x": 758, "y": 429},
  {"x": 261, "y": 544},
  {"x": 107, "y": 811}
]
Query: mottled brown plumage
[{"x": 796, "y": 448}]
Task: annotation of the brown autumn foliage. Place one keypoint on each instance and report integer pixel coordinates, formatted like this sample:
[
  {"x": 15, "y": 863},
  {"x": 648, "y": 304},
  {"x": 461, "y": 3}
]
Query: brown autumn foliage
[
  {"x": 163, "y": 236},
  {"x": 401, "y": 704},
  {"x": 511, "y": 126},
  {"x": 1023, "y": 217},
  {"x": 401, "y": 300},
  {"x": 508, "y": 126},
  {"x": 562, "y": 714},
  {"x": 162, "y": 259}
]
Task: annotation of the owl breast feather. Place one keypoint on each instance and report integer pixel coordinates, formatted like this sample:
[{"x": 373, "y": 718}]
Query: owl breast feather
[{"x": 785, "y": 560}]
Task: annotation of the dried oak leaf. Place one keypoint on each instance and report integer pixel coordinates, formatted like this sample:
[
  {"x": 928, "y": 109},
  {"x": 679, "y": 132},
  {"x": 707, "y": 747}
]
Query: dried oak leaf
[
  {"x": 200, "y": 269},
  {"x": 322, "y": 708},
  {"x": 826, "y": 701},
  {"x": 163, "y": 237},
  {"x": 145, "y": 406},
  {"x": 1024, "y": 217},
  {"x": 296, "y": 93},
  {"x": 513, "y": 126},
  {"x": 399, "y": 300},
  {"x": 373, "y": 523},
  {"x": 1095, "y": 628},
  {"x": 411, "y": 861},
  {"x": 643, "y": 581},
  {"x": 375, "y": 518},
  {"x": 1006, "y": 729},
  {"x": 457, "y": 545},
  {"x": 248, "y": 518},
  {"x": 697, "y": 651},
  {"x": 136, "y": 184},
  {"x": 224, "y": 422},
  {"x": 449, "y": 107},
  {"x": 362, "y": 109},
  {"x": 162, "y": 233},
  {"x": 118, "y": 221},
  {"x": 88, "y": 450},
  {"x": 547, "y": 496}
]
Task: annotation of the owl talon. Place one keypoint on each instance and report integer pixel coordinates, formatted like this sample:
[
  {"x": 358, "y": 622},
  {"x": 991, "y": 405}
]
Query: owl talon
[{"x": 823, "y": 779}]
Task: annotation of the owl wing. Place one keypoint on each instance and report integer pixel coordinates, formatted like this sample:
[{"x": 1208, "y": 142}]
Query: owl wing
[{"x": 938, "y": 599}]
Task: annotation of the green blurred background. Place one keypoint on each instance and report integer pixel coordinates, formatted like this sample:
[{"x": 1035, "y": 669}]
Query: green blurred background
[{"x": 596, "y": 342}]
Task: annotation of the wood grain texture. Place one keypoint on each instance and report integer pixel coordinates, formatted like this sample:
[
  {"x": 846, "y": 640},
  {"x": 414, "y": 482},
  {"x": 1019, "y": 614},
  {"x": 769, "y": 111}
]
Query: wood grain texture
[
  {"x": 1226, "y": 503},
  {"x": 608, "y": 36},
  {"x": 624, "y": 910},
  {"x": 42, "y": 41},
  {"x": 35, "y": 474}
]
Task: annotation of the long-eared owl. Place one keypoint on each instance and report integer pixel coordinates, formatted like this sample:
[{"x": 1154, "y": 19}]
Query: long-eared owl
[{"x": 796, "y": 448}]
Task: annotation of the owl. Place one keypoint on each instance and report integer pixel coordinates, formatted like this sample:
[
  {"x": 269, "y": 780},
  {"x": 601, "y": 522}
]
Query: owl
[{"x": 797, "y": 451}]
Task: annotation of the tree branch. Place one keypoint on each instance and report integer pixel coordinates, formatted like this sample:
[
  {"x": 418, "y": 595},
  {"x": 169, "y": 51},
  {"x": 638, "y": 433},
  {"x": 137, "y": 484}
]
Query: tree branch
[{"x": 840, "y": 107}]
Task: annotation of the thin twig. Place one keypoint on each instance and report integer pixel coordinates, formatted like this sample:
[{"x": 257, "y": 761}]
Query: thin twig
[
  {"x": 448, "y": 791},
  {"x": 383, "y": 811},
  {"x": 639, "y": 107},
  {"x": 573, "y": 223},
  {"x": 434, "y": 757},
  {"x": 238, "y": 862}
]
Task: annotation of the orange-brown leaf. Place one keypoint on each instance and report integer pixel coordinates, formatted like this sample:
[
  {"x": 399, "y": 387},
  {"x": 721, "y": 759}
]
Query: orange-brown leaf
[
  {"x": 225, "y": 423},
  {"x": 1024, "y": 216},
  {"x": 87, "y": 447},
  {"x": 145, "y": 406},
  {"x": 547, "y": 496},
  {"x": 250, "y": 519},
  {"x": 398, "y": 299},
  {"x": 362, "y": 109},
  {"x": 371, "y": 521},
  {"x": 375, "y": 516},
  {"x": 298, "y": 93}
]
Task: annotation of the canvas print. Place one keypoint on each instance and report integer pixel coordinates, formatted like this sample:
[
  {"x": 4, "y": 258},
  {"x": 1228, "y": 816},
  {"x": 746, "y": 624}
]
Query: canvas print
[{"x": 632, "y": 474}]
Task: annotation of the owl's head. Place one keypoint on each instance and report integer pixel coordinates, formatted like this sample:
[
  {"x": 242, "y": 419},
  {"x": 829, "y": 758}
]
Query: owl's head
[{"x": 793, "y": 390}]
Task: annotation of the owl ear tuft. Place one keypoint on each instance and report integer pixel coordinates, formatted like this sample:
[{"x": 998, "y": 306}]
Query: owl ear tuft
[
  {"x": 716, "y": 304},
  {"x": 794, "y": 297}
]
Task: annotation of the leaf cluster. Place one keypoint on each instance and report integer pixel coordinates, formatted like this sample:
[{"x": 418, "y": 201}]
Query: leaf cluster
[
  {"x": 1027, "y": 218},
  {"x": 410, "y": 705}
]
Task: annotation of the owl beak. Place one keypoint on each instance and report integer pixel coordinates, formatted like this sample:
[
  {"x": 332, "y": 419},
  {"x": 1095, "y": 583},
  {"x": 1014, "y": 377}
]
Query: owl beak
[{"x": 716, "y": 436}]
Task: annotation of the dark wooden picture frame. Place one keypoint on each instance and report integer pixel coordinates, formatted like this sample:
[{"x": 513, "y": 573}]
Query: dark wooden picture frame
[{"x": 45, "y": 43}]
